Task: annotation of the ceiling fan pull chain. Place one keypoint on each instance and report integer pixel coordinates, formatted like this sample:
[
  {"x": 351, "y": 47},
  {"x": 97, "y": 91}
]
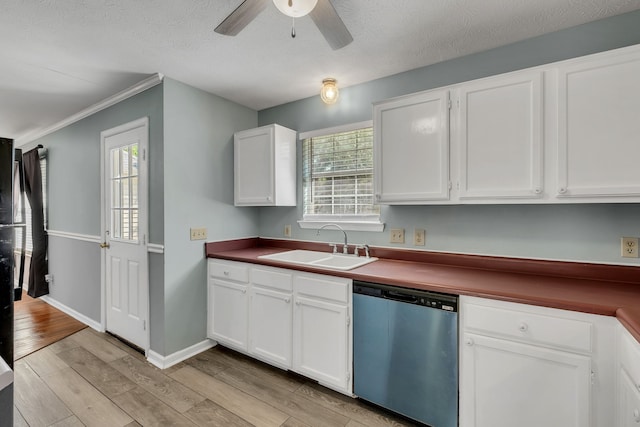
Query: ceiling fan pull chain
[{"x": 293, "y": 28}]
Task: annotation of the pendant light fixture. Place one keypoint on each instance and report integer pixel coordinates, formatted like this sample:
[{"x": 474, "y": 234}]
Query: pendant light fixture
[{"x": 329, "y": 92}]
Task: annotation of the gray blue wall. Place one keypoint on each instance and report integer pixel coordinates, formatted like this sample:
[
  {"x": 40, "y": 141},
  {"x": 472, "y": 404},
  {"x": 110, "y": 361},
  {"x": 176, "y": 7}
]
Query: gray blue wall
[
  {"x": 198, "y": 192},
  {"x": 563, "y": 232},
  {"x": 74, "y": 198}
]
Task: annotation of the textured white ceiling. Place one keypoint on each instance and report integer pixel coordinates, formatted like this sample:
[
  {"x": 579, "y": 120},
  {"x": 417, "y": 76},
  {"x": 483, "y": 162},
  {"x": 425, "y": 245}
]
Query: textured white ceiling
[{"x": 60, "y": 56}]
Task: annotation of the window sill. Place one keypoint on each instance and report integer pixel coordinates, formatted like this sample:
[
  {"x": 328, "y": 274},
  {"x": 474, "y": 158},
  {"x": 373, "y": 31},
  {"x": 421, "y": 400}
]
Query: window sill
[{"x": 353, "y": 225}]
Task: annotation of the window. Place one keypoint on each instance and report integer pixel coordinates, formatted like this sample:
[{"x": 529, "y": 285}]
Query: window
[
  {"x": 337, "y": 173},
  {"x": 25, "y": 211}
]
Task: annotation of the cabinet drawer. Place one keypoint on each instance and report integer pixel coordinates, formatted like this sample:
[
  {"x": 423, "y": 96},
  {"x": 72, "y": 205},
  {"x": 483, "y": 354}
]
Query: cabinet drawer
[
  {"x": 272, "y": 278},
  {"x": 229, "y": 271},
  {"x": 331, "y": 288},
  {"x": 548, "y": 330},
  {"x": 630, "y": 356}
]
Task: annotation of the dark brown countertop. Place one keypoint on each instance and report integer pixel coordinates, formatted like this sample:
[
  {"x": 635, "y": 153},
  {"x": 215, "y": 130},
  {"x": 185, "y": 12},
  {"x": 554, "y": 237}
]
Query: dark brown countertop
[{"x": 608, "y": 290}]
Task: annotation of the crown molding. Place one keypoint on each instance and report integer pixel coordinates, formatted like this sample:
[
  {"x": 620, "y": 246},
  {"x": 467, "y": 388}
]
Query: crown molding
[{"x": 141, "y": 86}]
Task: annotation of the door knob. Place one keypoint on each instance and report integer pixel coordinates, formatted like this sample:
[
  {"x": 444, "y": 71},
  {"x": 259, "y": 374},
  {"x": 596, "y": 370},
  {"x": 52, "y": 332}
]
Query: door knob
[{"x": 104, "y": 245}]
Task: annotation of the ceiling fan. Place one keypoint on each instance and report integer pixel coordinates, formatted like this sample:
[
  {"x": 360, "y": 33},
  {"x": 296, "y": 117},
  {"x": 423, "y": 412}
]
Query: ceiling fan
[{"x": 321, "y": 11}]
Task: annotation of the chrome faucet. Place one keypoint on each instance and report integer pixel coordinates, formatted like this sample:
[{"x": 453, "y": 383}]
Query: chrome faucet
[{"x": 345, "y": 248}]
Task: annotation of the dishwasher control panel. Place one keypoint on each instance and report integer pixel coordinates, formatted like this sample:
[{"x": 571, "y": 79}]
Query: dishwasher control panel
[{"x": 430, "y": 299}]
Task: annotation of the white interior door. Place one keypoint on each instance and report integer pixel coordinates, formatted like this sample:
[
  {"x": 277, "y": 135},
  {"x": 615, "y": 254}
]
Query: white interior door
[{"x": 125, "y": 225}]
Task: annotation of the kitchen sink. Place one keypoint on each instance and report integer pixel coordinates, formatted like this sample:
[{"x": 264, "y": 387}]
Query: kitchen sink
[{"x": 320, "y": 259}]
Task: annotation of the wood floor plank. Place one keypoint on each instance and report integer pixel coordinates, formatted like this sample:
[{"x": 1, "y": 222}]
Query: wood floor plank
[
  {"x": 349, "y": 407},
  {"x": 72, "y": 421},
  {"x": 153, "y": 380},
  {"x": 296, "y": 405},
  {"x": 64, "y": 344},
  {"x": 45, "y": 362},
  {"x": 292, "y": 422},
  {"x": 96, "y": 344},
  {"x": 37, "y": 403},
  {"x": 101, "y": 375},
  {"x": 245, "y": 406},
  {"x": 208, "y": 413},
  {"x": 86, "y": 402},
  {"x": 223, "y": 357},
  {"x": 18, "y": 420},
  {"x": 37, "y": 324},
  {"x": 149, "y": 410}
]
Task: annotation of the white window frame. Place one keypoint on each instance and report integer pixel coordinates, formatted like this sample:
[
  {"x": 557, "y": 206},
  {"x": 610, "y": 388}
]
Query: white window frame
[{"x": 347, "y": 222}]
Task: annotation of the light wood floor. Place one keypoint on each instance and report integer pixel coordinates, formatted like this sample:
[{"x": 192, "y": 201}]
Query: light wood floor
[
  {"x": 37, "y": 324},
  {"x": 93, "y": 379}
]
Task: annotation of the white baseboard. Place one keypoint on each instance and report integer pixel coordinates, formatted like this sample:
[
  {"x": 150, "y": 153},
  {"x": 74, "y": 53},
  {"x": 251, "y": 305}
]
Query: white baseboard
[
  {"x": 164, "y": 362},
  {"x": 71, "y": 312}
]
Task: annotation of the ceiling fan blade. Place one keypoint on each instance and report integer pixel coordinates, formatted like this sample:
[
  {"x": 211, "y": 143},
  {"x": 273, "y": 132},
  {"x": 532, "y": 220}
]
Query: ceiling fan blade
[
  {"x": 330, "y": 25},
  {"x": 240, "y": 18}
]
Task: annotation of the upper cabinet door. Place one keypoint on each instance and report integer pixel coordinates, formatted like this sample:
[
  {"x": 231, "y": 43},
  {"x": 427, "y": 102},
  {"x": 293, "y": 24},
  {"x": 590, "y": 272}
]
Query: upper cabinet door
[
  {"x": 599, "y": 128},
  {"x": 411, "y": 148},
  {"x": 500, "y": 134},
  {"x": 265, "y": 167}
]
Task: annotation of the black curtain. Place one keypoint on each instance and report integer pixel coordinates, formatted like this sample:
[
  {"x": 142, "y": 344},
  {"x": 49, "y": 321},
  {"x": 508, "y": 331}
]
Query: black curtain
[{"x": 33, "y": 187}]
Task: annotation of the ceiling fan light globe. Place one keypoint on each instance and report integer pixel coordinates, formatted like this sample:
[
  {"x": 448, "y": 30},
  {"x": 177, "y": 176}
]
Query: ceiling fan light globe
[
  {"x": 329, "y": 92},
  {"x": 295, "y": 8}
]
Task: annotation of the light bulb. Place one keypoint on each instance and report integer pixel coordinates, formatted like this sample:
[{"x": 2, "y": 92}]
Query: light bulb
[{"x": 329, "y": 92}]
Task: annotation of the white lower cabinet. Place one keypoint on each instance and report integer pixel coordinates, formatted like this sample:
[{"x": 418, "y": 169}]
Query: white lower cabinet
[
  {"x": 322, "y": 330},
  {"x": 529, "y": 366},
  {"x": 292, "y": 320},
  {"x": 228, "y": 313},
  {"x": 628, "y": 380},
  {"x": 270, "y": 312}
]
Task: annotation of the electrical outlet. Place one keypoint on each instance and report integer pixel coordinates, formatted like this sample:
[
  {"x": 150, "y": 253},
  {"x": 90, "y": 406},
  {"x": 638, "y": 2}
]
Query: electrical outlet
[
  {"x": 629, "y": 247},
  {"x": 287, "y": 230},
  {"x": 419, "y": 237},
  {"x": 397, "y": 235},
  {"x": 48, "y": 278},
  {"x": 198, "y": 233}
]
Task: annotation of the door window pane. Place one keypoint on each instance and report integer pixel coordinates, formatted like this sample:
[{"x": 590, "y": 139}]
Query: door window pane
[{"x": 124, "y": 193}]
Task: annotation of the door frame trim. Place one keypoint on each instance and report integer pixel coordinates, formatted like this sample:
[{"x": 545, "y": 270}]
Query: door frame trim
[{"x": 142, "y": 122}]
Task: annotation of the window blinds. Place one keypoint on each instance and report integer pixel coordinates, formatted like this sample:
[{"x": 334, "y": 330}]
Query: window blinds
[{"x": 338, "y": 174}]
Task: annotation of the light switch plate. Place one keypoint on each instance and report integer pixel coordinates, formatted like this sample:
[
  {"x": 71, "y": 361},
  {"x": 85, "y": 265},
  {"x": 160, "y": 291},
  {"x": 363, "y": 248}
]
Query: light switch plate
[
  {"x": 287, "y": 230},
  {"x": 397, "y": 235},
  {"x": 198, "y": 233}
]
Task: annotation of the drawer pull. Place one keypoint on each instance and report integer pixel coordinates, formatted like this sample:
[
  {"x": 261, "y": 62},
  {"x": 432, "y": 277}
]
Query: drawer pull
[
  {"x": 287, "y": 300},
  {"x": 469, "y": 342},
  {"x": 226, "y": 273},
  {"x": 244, "y": 291},
  {"x": 523, "y": 327},
  {"x": 636, "y": 415}
]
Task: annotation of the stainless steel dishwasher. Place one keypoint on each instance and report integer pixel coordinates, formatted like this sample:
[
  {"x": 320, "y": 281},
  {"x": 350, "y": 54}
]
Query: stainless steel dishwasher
[{"x": 405, "y": 351}]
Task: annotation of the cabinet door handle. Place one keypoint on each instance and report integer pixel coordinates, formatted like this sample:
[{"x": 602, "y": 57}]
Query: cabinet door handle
[
  {"x": 468, "y": 341},
  {"x": 562, "y": 190},
  {"x": 226, "y": 273},
  {"x": 523, "y": 327},
  {"x": 297, "y": 302},
  {"x": 636, "y": 415},
  {"x": 537, "y": 190},
  {"x": 244, "y": 291},
  {"x": 287, "y": 300}
]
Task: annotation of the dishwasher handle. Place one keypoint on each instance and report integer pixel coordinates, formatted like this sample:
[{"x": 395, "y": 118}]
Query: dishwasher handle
[{"x": 400, "y": 296}]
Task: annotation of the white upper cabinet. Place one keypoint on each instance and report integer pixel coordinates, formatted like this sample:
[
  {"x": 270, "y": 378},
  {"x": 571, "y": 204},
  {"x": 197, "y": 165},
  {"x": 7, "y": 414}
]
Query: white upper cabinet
[
  {"x": 265, "y": 167},
  {"x": 411, "y": 148},
  {"x": 599, "y": 127},
  {"x": 500, "y": 137},
  {"x": 567, "y": 132}
]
